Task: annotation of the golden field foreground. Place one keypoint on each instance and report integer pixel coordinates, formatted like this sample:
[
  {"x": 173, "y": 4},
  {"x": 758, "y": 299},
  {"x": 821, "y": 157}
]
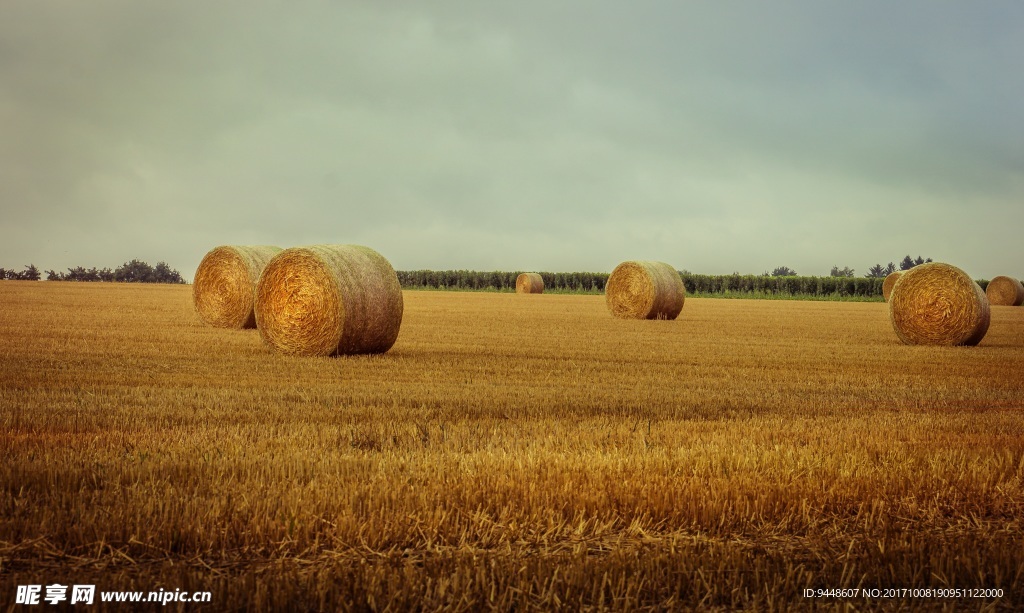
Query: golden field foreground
[{"x": 510, "y": 451}]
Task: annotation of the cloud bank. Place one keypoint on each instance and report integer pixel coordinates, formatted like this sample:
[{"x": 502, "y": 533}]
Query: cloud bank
[{"x": 718, "y": 137}]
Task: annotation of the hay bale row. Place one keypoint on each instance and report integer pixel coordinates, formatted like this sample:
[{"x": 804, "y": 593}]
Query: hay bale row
[
  {"x": 225, "y": 281},
  {"x": 1005, "y": 291},
  {"x": 645, "y": 290},
  {"x": 318, "y": 300},
  {"x": 346, "y": 299},
  {"x": 529, "y": 283},
  {"x": 938, "y": 304}
]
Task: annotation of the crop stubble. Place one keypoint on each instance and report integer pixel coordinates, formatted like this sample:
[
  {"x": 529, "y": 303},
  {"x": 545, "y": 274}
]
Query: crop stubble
[{"x": 726, "y": 459}]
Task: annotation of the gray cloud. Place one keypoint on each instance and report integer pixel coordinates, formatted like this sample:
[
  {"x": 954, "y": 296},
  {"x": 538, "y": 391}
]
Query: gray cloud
[{"x": 554, "y": 136}]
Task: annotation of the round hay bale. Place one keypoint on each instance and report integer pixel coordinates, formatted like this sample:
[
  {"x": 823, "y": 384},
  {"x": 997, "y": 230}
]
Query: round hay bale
[
  {"x": 890, "y": 281},
  {"x": 1005, "y": 291},
  {"x": 529, "y": 283},
  {"x": 938, "y": 304},
  {"x": 225, "y": 283},
  {"x": 645, "y": 290},
  {"x": 329, "y": 300}
]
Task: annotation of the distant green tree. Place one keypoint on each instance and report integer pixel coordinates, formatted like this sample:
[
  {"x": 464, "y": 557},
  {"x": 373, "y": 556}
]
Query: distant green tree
[
  {"x": 31, "y": 273},
  {"x": 877, "y": 272},
  {"x": 891, "y": 268},
  {"x": 163, "y": 273},
  {"x": 841, "y": 272},
  {"x": 80, "y": 273},
  {"x": 908, "y": 262},
  {"x": 782, "y": 271},
  {"x": 135, "y": 271}
]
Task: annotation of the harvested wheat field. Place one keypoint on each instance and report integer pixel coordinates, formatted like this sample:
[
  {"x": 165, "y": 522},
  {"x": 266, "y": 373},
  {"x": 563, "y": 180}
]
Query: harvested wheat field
[{"x": 728, "y": 459}]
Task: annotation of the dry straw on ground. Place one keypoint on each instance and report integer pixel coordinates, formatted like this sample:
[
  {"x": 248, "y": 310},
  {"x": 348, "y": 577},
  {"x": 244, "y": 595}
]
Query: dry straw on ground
[
  {"x": 1005, "y": 291},
  {"x": 529, "y": 283},
  {"x": 225, "y": 284},
  {"x": 889, "y": 282},
  {"x": 938, "y": 304},
  {"x": 645, "y": 290},
  {"x": 329, "y": 300}
]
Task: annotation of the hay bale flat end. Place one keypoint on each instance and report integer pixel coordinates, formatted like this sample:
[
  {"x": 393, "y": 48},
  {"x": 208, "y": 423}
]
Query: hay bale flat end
[
  {"x": 225, "y": 283},
  {"x": 890, "y": 281}
]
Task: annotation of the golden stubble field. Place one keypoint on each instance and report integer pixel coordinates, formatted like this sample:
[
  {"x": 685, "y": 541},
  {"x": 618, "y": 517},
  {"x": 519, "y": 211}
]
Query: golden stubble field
[{"x": 510, "y": 452}]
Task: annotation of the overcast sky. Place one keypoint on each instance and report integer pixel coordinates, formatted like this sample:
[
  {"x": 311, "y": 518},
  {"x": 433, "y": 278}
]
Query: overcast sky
[{"x": 717, "y": 136}]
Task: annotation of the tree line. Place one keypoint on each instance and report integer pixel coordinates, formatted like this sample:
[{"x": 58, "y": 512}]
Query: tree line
[
  {"x": 31, "y": 273},
  {"x": 595, "y": 282},
  {"x": 135, "y": 271},
  {"x": 878, "y": 271},
  {"x": 783, "y": 285},
  {"x": 782, "y": 281},
  {"x": 499, "y": 281}
]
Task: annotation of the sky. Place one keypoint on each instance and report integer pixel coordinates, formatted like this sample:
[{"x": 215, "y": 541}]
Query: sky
[{"x": 717, "y": 136}]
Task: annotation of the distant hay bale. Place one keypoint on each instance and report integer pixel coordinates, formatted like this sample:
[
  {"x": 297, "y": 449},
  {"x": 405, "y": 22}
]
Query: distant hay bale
[
  {"x": 529, "y": 283},
  {"x": 329, "y": 300},
  {"x": 938, "y": 304},
  {"x": 645, "y": 290},
  {"x": 225, "y": 283},
  {"x": 890, "y": 281},
  {"x": 1005, "y": 291}
]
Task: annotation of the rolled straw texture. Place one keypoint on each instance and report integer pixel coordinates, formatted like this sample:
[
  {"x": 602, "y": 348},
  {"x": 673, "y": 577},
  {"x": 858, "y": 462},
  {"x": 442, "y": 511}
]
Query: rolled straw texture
[
  {"x": 225, "y": 283},
  {"x": 329, "y": 300},
  {"x": 938, "y": 304},
  {"x": 645, "y": 290},
  {"x": 1005, "y": 291},
  {"x": 889, "y": 282},
  {"x": 529, "y": 283}
]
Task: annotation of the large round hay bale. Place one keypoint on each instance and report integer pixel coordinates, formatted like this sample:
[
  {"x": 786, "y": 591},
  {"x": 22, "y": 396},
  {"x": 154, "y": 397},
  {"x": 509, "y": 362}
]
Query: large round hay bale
[
  {"x": 225, "y": 284},
  {"x": 938, "y": 304},
  {"x": 1005, "y": 291},
  {"x": 329, "y": 300},
  {"x": 645, "y": 290},
  {"x": 890, "y": 280},
  {"x": 529, "y": 283}
]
